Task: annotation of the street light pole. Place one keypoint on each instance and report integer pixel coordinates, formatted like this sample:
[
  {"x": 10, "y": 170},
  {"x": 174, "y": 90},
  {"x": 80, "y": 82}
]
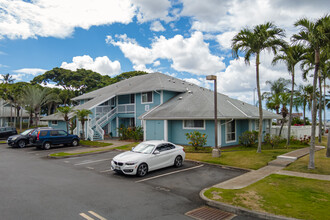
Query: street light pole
[{"x": 216, "y": 152}]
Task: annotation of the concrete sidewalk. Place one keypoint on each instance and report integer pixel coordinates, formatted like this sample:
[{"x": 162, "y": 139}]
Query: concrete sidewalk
[{"x": 273, "y": 167}]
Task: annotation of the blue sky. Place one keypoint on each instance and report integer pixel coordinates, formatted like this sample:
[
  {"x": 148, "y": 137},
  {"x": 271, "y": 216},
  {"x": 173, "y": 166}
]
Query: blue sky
[{"x": 188, "y": 39}]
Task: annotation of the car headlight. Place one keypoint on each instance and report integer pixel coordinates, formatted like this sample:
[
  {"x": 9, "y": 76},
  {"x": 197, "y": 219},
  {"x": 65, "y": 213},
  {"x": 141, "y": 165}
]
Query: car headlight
[
  {"x": 130, "y": 163},
  {"x": 14, "y": 138}
]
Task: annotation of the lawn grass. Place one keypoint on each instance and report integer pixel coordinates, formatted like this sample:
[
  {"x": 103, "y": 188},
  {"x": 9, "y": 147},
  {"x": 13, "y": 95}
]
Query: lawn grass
[
  {"x": 295, "y": 197},
  {"x": 3, "y": 142},
  {"x": 322, "y": 163},
  {"x": 240, "y": 156},
  {"x": 127, "y": 147},
  {"x": 94, "y": 143},
  {"x": 63, "y": 154}
]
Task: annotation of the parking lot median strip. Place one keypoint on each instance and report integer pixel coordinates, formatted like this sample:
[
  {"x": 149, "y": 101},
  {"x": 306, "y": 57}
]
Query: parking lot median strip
[{"x": 166, "y": 174}]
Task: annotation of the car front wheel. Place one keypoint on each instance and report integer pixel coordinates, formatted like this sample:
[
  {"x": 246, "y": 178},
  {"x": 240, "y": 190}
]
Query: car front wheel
[
  {"x": 46, "y": 146},
  {"x": 75, "y": 143},
  {"x": 142, "y": 170},
  {"x": 178, "y": 161},
  {"x": 21, "y": 143}
]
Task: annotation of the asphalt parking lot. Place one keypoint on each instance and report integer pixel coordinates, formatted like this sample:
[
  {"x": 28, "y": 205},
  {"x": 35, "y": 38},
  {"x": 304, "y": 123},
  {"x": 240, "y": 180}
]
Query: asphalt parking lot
[{"x": 184, "y": 182}]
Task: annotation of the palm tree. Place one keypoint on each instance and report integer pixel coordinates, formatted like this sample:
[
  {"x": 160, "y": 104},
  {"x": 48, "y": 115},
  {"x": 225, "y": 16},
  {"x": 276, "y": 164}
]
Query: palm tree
[
  {"x": 277, "y": 87},
  {"x": 82, "y": 117},
  {"x": 7, "y": 78},
  {"x": 252, "y": 43},
  {"x": 315, "y": 35},
  {"x": 65, "y": 111},
  {"x": 291, "y": 55},
  {"x": 304, "y": 98},
  {"x": 36, "y": 97}
]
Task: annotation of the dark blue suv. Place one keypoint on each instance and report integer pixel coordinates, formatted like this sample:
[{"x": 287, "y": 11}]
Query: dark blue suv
[{"x": 46, "y": 138}]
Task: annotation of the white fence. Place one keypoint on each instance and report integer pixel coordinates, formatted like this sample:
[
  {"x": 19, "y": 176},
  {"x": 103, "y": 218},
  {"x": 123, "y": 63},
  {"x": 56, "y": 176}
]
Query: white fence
[{"x": 297, "y": 131}]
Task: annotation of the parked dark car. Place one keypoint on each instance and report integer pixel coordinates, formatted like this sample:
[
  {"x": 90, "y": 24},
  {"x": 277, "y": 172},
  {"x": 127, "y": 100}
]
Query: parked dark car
[
  {"x": 5, "y": 132},
  {"x": 23, "y": 139},
  {"x": 34, "y": 133},
  {"x": 47, "y": 138}
]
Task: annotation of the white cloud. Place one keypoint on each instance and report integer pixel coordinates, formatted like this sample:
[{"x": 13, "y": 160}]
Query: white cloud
[
  {"x": 102, "y": 65},
  {"x": 225, "y": 38},
  {"x": 51, "y": 85},
  {"x": 150, "y": 9},
  {"x": 223, "y": 16},
  {"x": 31, "y": 71},
  {"x": 199, "y": 82},
  {"x": 157, "y": 26},
  {"x": 18, "y": 77},
  {"x": 187, "y": 54},
  {"x": 58, "y": 18}
]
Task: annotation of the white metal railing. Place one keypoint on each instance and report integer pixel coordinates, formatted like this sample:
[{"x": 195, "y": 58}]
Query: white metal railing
[
  {"x": 100, "y": 131},
  {"x": 126, "y": 108},
  {"x": 90, "y": 133}
]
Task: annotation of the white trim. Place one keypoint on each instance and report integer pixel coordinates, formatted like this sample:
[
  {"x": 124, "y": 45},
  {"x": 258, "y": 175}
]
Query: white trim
[
  {"x": 144, "y": 130},
  {"x": 165, "y": 130},
  {"x": 219, "y": 133},
  {"x": 193, "y": 128},
  {"x": 250, "y": 125},
  {"x": 161, "y": 97},
  {"x": 232, "y": 141},
  {"x": 152, "y": 97}
]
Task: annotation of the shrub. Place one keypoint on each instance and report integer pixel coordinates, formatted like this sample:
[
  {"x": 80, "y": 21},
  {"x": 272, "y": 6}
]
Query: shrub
[
  {"x": 196, "y": 139},
  {"x": 305, "y": 140},
  {"x": 273, "y": 140},
  {"x": 248, "y": 138},
  {"x": 135, "y": 133}
]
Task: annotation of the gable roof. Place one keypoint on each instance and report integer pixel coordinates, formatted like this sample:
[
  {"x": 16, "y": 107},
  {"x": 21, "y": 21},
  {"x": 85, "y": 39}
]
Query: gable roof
[
  {"x": 137, "y": 84},
  {"x": 198, "y": 103}
]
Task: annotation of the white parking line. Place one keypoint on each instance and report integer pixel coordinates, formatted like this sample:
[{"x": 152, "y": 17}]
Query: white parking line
[
  {"x": 97, "y": 215},
  {"x": 166, "y": 174},
  {"x": 91, "y": 161},
  {"x": 104, "y": 171},
  {"x": 85, "y": 216}
]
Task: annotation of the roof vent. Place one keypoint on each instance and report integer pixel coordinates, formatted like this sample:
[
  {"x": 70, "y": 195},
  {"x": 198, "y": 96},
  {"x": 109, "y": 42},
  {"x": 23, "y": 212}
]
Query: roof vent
[
  {"x": 173, "y": 81},
  {"x": 169, "y": 80},
  {"x": 190, "y": 92},
  {"x": 180, "y": 98}
]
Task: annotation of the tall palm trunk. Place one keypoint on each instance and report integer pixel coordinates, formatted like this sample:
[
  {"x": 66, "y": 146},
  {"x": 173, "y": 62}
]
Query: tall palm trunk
[
  {"x": 260, "y": 104},
  {"x": 83, "y": 129},
  {"x": 311, "y": 164},
  {"x": 328, "y": 145},
  {"x": 290, "y": 111},
  {"x": 320, "y": 109},
  {"x": 324, "y": 106},
  {"x": 304, "y": 113}
]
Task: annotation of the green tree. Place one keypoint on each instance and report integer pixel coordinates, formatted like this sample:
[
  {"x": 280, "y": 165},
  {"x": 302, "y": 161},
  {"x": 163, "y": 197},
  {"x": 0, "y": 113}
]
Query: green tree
[
  {"x": 65, "y": 111},
  {"x": 303, "y": 98},
  {"x": 36, "y": 97},
  {"x": 315, "y": 35},
  {"x": 252, "y": 43},
  {"x": 284, "y": 99},
  {"x": 277, "y": 87},
  {"x": 7, "y": 78},
  {"x": 291, "y": 56},
  {"x": 82, "y": 115}
]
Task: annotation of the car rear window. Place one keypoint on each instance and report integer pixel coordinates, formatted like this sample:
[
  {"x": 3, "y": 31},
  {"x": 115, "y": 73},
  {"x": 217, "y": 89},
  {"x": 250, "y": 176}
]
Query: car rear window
[
  {"x": 43, "y": 133},
  {"x": 54, "y": 133}
]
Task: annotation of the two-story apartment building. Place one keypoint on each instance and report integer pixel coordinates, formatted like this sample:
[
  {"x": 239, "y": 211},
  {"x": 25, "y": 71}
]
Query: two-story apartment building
[{"x": 166, "y": 108}]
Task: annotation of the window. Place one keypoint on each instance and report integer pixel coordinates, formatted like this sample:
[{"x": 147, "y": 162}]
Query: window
[
  {"x": 193, "y": 124},
  {"x": 54, "y": 122},
  {"x": 43, "y": 133},
  {"x": 231, "y": 131},
  {"x": 62, "y": 133},
  {"x": 53, "y": 133},
  {"x": 146, "y": 97},
  {"x": 132, "y": 97}
]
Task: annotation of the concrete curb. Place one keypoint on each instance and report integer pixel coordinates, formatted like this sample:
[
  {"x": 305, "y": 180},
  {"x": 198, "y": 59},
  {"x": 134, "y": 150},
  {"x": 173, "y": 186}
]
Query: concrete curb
[
  {"x": 222, "y": 166},
  {"x": 239, "y": 210},
  {"x": 80, "y": 155}
]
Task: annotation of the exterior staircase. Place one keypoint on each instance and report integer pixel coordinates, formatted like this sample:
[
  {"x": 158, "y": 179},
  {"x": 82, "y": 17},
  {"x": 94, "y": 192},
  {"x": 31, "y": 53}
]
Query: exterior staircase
[{"x": 96, "y": 126}]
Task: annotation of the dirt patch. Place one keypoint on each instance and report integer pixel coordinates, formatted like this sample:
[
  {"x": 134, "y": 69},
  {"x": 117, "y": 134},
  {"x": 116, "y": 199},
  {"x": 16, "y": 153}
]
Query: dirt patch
[
  {"x": 216, "y": 196},
  {"x": 249, "y": 200}
]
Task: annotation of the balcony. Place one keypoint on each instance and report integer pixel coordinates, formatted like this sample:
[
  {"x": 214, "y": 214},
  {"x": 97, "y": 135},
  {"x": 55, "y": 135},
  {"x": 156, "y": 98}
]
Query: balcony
[{"x": 126, "y": 108}]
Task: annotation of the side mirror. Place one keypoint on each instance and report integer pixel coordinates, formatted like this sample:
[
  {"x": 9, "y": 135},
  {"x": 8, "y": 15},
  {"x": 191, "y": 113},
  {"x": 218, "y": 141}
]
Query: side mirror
[{"x": 156, "y": 152}]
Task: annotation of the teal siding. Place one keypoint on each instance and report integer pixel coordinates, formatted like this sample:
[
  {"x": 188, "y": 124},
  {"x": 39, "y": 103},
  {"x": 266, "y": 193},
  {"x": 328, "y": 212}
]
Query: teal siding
[
  {"x": 140, "y": 108},
  {"x": 60, "y": 125},
  {"x": 114, "y": 127},
  {"x": 155, "y": 130},
  {"x": 177, "y": 134},
  {"x": 167, "y": 95}
]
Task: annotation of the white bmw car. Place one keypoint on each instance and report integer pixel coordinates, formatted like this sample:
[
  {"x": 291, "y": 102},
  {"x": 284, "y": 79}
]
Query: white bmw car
[{"x": 148, "y": 156}]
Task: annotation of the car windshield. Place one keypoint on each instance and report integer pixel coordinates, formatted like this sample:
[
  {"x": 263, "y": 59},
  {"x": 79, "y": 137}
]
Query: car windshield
[
  {"x": 26, "y": 132},
  {"x": 144, "y": 148}
]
